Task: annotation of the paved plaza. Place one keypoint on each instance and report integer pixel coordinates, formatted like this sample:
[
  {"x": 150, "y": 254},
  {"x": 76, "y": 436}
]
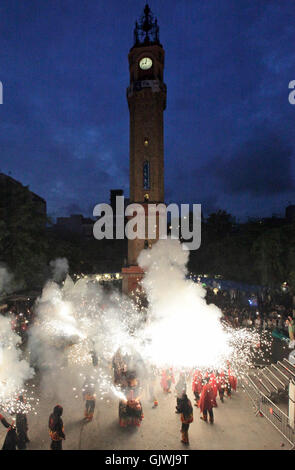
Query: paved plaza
[{"x": 236, "y": 427}]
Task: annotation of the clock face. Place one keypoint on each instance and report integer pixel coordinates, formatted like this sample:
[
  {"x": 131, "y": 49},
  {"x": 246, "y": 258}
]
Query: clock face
[{"x": 145, "y": 63}]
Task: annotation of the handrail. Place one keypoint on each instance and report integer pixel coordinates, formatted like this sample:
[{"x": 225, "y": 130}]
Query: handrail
[
  {"x": 282, "y": 383},
  {"x": 252, "y": 383},
  {"x": 263, "y": 385},
  {"x": 268, "y": 379},
  {"x": 289, "y": 366},
  {"x": 281, "y": 372}
]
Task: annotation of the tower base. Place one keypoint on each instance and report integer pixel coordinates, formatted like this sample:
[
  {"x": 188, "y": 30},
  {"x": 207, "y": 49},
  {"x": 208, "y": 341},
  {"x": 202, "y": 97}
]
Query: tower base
[{"x": 132, "y": 276}]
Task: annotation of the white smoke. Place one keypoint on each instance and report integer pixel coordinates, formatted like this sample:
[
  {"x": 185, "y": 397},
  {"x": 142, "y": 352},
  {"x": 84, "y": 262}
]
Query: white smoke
[
  {"x": 183, "y": 330},
  {"x": 54, "y": 328},
  {"x": 14, "y": 371},
  {"x": 78, "y": 320},
  {"x": 60, "y": 268},
  {"x": 6, "y": 280},
  {"x": 73, "y": 323}
]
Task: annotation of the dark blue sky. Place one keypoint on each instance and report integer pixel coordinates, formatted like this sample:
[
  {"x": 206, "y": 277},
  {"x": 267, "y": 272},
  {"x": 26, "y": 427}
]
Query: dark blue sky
[{"x": 229, "y": 127}]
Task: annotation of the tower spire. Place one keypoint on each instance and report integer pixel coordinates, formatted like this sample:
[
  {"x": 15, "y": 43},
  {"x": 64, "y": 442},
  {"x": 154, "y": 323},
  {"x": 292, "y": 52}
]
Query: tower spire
[{"x": 146, "y": 30}]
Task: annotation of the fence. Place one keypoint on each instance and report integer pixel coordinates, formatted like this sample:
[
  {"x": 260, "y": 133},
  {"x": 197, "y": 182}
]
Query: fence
[
  {"x": 252, "y": 391},
  {"x": 269, "y": 410}
]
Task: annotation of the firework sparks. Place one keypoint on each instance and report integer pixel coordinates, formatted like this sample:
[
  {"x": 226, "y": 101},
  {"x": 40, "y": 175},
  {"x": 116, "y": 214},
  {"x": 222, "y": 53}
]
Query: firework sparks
[
  {"x": 14, "y": 371},
  {"x": 79, "y": 328},
  {"x": 118, "y": 393}
]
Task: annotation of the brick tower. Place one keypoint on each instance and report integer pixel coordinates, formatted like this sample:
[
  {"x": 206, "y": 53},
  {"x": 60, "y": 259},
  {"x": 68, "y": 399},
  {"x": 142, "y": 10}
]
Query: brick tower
[{"x": 146, "y": 98}]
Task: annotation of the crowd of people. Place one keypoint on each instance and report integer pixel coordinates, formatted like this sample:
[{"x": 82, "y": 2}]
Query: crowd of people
[
  {"x": 260, "y": 311},
  {"x": 239, "y": 310},
  {"x": 206, "y": 385},
  {"x": 130, "y": 377}
]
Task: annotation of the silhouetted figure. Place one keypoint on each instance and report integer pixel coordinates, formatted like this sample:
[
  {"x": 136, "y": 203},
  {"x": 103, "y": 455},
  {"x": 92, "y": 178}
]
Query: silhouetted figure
[
  {"x": 22, "y": 428},
  {"x": 56, "y": 428},
  {"x": 186, "y": 410},
  {"x": 10, "y": 441}
]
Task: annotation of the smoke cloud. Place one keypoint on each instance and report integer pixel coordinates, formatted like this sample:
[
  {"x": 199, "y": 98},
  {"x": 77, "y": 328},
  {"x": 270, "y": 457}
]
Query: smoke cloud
[
  {"x": 79, "y": 327},
  {"x": 184, "y": 331},
  {"x": 74, "y": 323},
  {"x": 60, "y": 268},
  {"x": 6, "y": 280},
  {"x": 14, "y": 371}
]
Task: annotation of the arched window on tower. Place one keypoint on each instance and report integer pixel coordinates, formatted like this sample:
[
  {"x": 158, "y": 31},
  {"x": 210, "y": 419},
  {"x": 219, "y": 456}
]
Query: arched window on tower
[{"x": 146, "y": 175}]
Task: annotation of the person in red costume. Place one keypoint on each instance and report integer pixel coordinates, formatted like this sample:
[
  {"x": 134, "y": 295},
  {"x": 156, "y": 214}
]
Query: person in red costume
[
  {"x": 206, "y": 402},
  {"x": 233, "y": 381},
  {"x": 214, "y": 387},
  {"x": 197, "y": 386},
  {"x": 130, "y": 411},
  {"x": 167, "y": 380},
  {"x": 221, "y": 384}
]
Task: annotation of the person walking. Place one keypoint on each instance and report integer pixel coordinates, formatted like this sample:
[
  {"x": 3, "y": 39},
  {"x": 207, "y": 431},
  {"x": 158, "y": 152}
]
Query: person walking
[
  {"x": 187, "y": 417},
  {"x": 22, "y": 427},
  {"x": 180, "y": 389},
  {"x": 197, "y": 386},
  {"x": 89, "y": 396},
  {"x": 221, "y": 385},
  {"x": 56, "y": 428},
  {"x": 207, "y": 402},
  {"x": 167, "y": 380}
]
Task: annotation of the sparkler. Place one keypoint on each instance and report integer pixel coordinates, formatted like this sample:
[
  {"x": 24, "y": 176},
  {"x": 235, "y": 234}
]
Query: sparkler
[{"x": 118, "y": 393}]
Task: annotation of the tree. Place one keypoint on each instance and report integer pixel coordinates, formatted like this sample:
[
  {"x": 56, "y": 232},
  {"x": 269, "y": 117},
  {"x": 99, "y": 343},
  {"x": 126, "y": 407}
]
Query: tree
[
  {"x": 269, "y": 253},
  {"x": 23, "y": 236},
  {"x": 219, "y": 225}
]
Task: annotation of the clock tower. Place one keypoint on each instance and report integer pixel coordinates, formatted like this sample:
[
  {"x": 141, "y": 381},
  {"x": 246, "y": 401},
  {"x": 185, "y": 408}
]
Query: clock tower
[{"x": 146, "y": 96}]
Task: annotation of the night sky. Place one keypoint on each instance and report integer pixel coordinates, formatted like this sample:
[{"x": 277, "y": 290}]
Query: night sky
[{"x": 229, "y": 127}]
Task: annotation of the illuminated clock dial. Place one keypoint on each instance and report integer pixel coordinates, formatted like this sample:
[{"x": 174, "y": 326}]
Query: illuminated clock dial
[{"x": 145, "y": 63}]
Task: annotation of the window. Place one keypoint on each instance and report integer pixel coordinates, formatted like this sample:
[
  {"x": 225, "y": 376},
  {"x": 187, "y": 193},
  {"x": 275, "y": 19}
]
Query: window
[{"x": 146, "y": 175}]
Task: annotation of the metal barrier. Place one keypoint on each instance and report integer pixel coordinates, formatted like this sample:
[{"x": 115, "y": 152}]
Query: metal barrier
[
  {"x": 277, "y": 418},
  {"x": 265, "y": 407},
  {"x": 252, "y": 391}
]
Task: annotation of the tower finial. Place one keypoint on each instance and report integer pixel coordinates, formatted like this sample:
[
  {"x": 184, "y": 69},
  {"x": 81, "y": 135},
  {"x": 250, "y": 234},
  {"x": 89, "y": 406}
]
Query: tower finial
[
  {"x": 146, "y": 29},
  {"x": 147, "y": 9}
]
